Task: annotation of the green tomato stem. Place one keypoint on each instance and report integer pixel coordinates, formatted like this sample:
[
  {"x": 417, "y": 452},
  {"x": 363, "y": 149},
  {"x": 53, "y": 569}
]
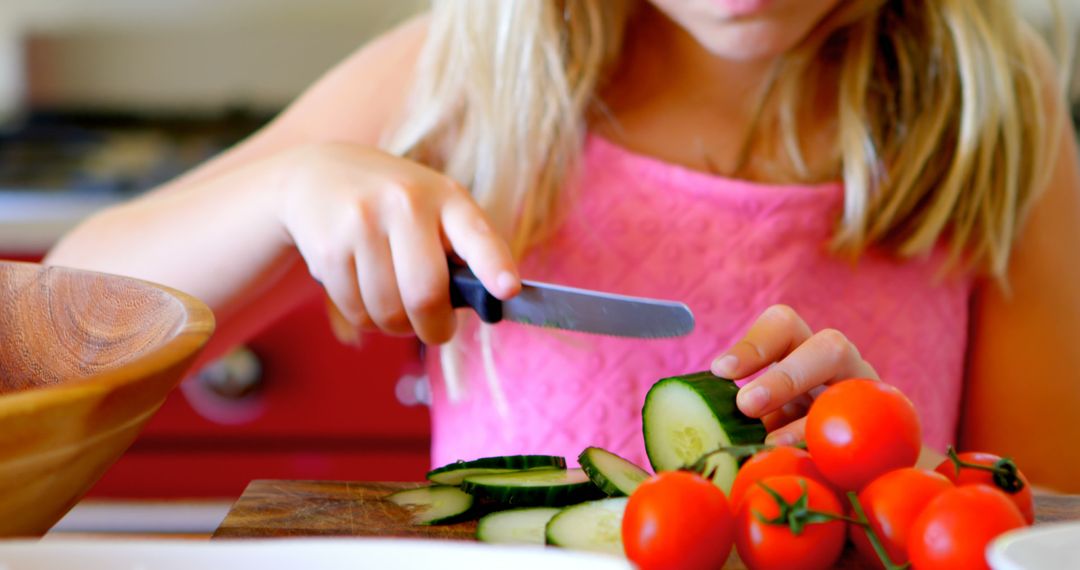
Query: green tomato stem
[
  {"x": 798, "y": 514},
  {"x": 1005, "y": 473},
  {"x": 875, "y": 541}
]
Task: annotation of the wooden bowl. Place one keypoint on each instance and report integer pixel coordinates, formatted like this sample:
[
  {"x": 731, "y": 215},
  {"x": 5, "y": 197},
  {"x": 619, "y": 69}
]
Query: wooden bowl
[{"x": 85, "y": 360}]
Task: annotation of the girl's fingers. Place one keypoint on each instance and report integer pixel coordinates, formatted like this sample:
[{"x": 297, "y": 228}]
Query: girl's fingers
[
  {"x": 423, "y": 279},
  {"x": 344, "y": 330},
  {"x": 378, "y": 285},
  {"x": 789, "y": 434},
  {"x": 773, "y": 335},
  {"x": 787, "y": 413},
  {"x": 483, "y": 250},
  {"x": 337, "y": 275},
  {"x": 803, "y": 362},
  {"x": 827, "y": 356}
]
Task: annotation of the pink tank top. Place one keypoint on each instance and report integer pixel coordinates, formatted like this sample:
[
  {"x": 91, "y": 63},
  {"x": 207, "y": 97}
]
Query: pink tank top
[{"x": 728, "y": 249}]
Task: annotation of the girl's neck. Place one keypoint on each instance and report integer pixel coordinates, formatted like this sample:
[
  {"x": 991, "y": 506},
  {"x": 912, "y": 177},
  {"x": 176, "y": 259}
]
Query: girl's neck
[
  {"x": 672, "y": 99},
  {"x": 662, "y": 57}
]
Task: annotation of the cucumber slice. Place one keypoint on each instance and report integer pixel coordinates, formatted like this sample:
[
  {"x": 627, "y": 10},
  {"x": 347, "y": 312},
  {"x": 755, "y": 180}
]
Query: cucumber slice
[
  {"x": 454, "y": 473},
  {"x": 721, "y": 468},
  {"x": 612, "y": 474},
  {"x": 437, "y": 504},
  {"x": 516, "y": 526},
  {"x": 594, "y": 526},
  {"x": 535, "y": 488},
  {"x": 688, "y": 416},
  {"x": 722, "y": 465}
]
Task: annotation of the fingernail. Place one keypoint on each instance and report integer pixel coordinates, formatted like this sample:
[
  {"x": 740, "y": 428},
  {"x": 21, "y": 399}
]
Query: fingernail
[
  {"x": 345, "y": 332},
  {"x": 725, "y": 366},
  {"x": 508, "y": 282},
  {"x": 753, "y": 400},
  {"x": 781, "y": 439}
]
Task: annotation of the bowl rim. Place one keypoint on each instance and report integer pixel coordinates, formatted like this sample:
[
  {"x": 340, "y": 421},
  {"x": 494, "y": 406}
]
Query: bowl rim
[{"x": 192, "y": 336}]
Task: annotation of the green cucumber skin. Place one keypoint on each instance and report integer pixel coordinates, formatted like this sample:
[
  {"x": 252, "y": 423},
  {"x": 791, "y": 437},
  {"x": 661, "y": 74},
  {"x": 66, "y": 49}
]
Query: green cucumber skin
[
  {"x": 602, "y": 481},
  {"x": 537, "y": 496},
  {"x": 444, "y": 475},
  {"x": 719, "y": 395}
]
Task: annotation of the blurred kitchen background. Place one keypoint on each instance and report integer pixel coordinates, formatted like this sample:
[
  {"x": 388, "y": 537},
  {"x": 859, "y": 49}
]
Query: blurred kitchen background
[{"x": 101, "y": 100}]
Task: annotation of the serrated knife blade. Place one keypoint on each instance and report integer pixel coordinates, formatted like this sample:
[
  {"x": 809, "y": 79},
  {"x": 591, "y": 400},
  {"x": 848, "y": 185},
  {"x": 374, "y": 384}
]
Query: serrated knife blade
[{"x": 570, "y": 308}]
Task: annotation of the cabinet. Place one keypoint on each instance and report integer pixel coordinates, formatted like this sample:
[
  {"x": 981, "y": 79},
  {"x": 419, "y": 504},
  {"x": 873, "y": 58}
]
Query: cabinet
[{"x": 320, "y": 410}]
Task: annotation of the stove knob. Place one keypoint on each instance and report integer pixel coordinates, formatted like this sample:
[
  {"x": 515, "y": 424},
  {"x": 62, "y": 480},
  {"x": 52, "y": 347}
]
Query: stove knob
[
  {"x": 233, "y": 376},
  {"x": 413, "y": 390}
]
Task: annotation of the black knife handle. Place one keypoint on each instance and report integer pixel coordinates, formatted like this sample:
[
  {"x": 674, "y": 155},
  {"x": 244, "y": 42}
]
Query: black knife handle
[{"x": 467, "y": 291}]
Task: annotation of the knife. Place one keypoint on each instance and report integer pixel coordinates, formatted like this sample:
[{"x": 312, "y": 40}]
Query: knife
[{"x": 558, "y": 306}]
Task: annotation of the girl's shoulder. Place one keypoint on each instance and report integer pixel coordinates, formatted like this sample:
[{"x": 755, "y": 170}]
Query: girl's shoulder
[{"x": 356, "y": 100}]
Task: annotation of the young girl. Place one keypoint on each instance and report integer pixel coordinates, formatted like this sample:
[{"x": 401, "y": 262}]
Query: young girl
[{"x": 809, "y": 176}]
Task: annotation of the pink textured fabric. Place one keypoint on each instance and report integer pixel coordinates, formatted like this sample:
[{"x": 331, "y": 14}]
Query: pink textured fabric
[{"x": 726, "y": 248}]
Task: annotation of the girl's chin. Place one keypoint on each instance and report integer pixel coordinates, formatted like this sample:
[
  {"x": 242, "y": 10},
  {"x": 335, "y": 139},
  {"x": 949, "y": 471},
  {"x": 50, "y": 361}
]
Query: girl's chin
[{"x": 744, "y": 44}]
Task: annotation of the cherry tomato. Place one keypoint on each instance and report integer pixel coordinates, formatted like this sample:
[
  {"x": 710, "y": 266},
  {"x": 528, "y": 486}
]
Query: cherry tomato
[
  {"x": 769, "y": 463},
  {"x": 860, "y": 429},
  {"x": 892, "y": 502},
  {"x": 763, "y": 545},
  {"x": 973, "y": 475},
  {"x": 954, "y": 529},
  {"x": 678, "y": 520}
]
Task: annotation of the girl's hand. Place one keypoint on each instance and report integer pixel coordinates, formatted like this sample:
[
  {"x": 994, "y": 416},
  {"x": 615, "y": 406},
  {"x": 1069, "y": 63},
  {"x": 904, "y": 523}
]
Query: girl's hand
[
  {"x": 375, "y": 230},
  {"x": 800, "y": 363}
]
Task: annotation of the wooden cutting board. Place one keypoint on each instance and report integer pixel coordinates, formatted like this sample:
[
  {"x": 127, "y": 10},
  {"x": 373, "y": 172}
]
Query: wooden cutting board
[{"x": 275, "y": 508}]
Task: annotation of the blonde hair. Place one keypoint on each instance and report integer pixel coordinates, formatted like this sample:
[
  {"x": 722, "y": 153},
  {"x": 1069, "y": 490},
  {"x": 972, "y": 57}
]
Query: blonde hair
[
  {"x": 941, "y": 126},
  {"x": 500, "y": 97},
  {"x": 941, "y": 129}
]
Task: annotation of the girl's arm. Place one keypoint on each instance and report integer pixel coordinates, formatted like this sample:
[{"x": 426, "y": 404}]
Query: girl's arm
[
  {"x": 212, "y": 221},
  {"x": 308, "y": 193},
  {"x": 1023, "y": 393}
]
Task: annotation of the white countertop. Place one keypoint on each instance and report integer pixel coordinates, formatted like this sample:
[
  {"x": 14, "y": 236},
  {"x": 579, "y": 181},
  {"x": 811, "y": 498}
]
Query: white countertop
[
  {"x": 31, "y": 222},
  {"x": 133, "y": 516}
]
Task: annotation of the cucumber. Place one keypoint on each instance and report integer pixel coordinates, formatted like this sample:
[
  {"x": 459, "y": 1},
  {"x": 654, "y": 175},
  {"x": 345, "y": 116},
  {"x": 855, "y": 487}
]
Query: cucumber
[
  {"x": 535, "y": 488},
  {"x": 436, "y": 504},
  {"x": 722, "y": 465},
  {"x": 614, "y": 475},
  {"x": 721, "y": 468},
  {"x": 454, "y": 473},
  {"x": 516, "y": 526},
  {"x": 685, "y": 417},
  {"x": 594, "y": 526}
]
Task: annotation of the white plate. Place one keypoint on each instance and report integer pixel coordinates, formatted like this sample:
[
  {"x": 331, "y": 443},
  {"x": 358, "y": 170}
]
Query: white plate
[
  {"x": 1052, "y": 546},
  {"x": 291, "y": 554}
]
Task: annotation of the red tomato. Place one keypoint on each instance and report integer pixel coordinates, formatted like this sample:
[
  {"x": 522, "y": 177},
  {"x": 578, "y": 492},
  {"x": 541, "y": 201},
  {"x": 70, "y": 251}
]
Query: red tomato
[
  {"x": 954, "y": 529},
  {"x": 678, "y": 520},
  {"x": 764, "y": 545},
  {"x": 769, "y": 463},
  {"x": 972, "y": 475},
  {"x": 859, "y": 429},
  {"x": 892, "y": 502}
]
